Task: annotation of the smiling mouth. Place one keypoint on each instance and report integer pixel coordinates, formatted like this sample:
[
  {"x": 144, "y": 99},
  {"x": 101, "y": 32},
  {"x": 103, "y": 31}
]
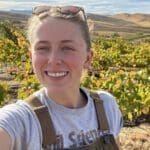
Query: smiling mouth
[{"x": 56, "y": 74}]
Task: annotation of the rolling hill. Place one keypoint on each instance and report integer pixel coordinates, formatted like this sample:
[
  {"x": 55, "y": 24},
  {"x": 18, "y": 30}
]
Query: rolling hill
[{"x": 126, "y": 25}]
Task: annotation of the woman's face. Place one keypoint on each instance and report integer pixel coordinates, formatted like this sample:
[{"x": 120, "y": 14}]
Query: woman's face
[{"x": 59, "y": 54}]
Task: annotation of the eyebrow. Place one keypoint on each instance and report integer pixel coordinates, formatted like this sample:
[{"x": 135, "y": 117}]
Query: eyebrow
[
  {"x": 42, "y": 42},
  {"x": 66, "y": 41},
  {"x": 46, "y": 42}
]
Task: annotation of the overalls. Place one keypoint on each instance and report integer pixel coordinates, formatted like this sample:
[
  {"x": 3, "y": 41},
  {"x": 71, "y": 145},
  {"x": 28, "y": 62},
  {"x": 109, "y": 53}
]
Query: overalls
[{"x": 105, "y": 142}]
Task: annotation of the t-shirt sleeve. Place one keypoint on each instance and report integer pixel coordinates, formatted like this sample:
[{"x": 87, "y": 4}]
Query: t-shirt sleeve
[
  {"x": 113, "y": 112},
  {"x": 18, "y": 121},
  {"x": 10, "y": 123}
]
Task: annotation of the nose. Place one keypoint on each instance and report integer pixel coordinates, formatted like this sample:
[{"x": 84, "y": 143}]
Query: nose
[{"x": 54, "y": 58}]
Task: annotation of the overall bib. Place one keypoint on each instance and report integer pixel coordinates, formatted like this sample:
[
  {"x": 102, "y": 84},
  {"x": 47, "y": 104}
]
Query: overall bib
[{"x": 105, "y": 142}]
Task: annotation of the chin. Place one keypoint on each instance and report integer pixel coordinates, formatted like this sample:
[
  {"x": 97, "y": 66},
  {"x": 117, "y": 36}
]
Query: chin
[{"x": 57, "y": 88}]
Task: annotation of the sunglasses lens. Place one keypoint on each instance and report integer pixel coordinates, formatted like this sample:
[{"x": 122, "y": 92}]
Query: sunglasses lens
[{"x": 69, "y": 10}]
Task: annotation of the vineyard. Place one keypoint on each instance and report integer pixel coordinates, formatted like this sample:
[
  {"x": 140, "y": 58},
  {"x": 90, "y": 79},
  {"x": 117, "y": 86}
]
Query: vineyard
[
  {"x": 119, "y": 66},
  {"x": 123, "y": 68}
]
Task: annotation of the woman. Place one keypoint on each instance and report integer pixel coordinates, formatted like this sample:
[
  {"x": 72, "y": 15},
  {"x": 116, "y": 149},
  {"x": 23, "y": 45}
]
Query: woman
[{"x": 61, "y": 115}]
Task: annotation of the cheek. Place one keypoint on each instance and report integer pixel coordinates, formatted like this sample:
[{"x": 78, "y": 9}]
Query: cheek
[
  {"x": 37, "y": 62},
  {"x": 76, "y": 62}
]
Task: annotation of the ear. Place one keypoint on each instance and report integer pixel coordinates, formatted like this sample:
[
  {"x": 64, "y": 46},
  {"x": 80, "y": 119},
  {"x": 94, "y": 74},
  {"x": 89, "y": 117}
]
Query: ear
[{"x": 87, "y": 63}]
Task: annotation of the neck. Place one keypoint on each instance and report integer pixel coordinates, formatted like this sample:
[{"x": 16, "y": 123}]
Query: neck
[{"x": 71, "y": 98}]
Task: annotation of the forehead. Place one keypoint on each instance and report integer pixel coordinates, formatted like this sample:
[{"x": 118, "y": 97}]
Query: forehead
[
  {"x": 55, "y": 30},
  {"x": 55, "y": 26}
]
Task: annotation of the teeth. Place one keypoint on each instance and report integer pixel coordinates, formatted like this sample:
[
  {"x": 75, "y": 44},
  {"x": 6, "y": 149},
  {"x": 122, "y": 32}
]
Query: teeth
[{"x": 57, "y": 74}]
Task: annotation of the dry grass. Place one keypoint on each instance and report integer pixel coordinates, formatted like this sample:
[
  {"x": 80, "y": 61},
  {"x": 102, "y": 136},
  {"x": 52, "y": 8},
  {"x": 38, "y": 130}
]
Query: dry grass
[
  {"x": 135, "y": 138},
  {"x": 139, "y": 19}
]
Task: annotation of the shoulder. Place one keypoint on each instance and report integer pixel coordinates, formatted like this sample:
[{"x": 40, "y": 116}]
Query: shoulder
[
  {"x": 15, "y": 114},
  {"x": 112, "y": 111},
  {"x": 107, "y": 98},
  {"x": 109, "y": 101},
  {"x": 20, "y": 110},
  {"x": 14, "y": 109}
]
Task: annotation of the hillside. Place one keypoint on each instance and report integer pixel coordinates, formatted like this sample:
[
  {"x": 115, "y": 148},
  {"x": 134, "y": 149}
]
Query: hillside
[
  {"x": 133, "y": 26},
  {"x": 15, "y": 17},
  {"x": 139, "y": 19},
  {"x": 126, "y": 25}
]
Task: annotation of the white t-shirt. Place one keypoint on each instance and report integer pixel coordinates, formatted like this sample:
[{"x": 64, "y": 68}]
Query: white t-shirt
[{"x": 74, "y": 127}]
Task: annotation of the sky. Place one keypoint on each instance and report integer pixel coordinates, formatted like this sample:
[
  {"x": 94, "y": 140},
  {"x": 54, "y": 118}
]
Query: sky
[{"x": 93, "y": 6}]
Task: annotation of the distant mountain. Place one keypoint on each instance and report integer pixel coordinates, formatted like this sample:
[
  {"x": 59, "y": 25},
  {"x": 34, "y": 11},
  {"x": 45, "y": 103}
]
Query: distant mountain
[
  {"x": 27, "y": 12},
  {"x": 18, "y": 18}
]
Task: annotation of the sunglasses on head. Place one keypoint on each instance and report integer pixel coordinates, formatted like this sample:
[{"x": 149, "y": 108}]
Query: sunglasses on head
[{"x": 67, "y": 11}]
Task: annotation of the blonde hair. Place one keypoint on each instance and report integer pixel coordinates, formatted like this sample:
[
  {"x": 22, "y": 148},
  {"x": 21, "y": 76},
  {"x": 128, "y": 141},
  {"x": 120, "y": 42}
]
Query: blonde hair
[{"x": 35, "y": 19}]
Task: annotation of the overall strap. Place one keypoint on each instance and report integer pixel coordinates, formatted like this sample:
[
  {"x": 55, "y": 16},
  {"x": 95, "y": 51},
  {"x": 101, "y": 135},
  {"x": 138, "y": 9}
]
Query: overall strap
[
  {"x": 48, "y": 131},
  {"x": 101, "y": 115}
]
